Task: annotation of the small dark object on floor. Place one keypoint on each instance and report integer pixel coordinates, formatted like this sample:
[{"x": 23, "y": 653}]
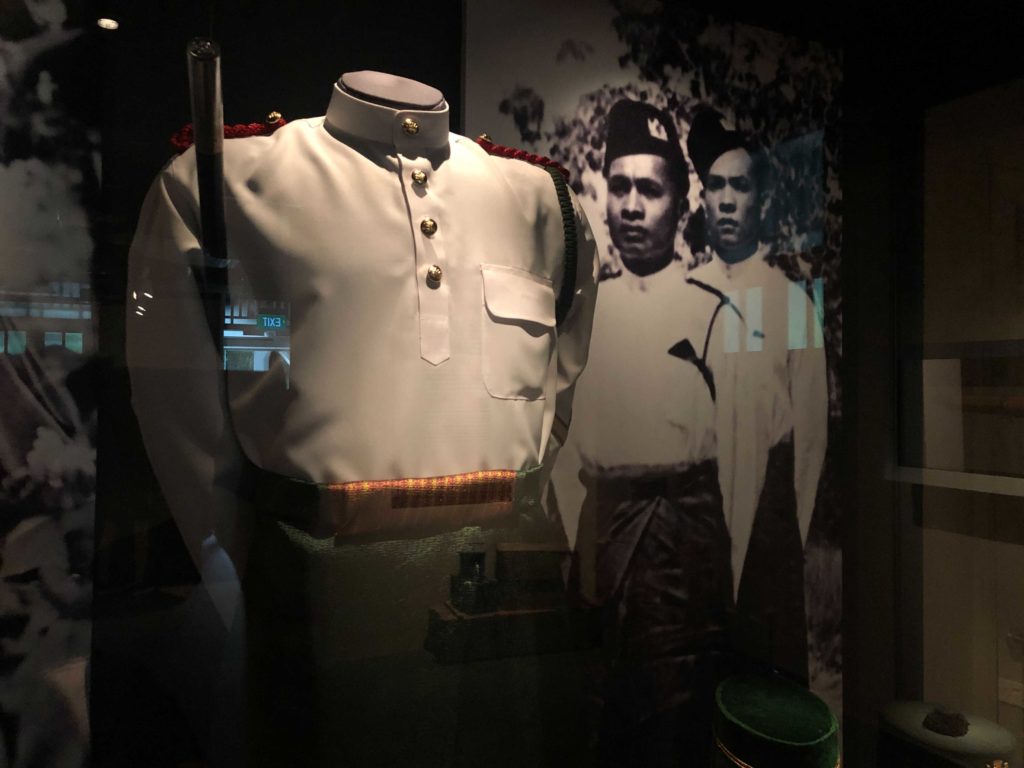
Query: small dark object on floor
[{"x": 946, "y": 723}]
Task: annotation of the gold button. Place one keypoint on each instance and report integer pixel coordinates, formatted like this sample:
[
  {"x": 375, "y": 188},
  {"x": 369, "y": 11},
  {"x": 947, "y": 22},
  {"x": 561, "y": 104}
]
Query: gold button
[
  {"x": 428, "y": 227},
  {"x": 273, "y": 118},
  {"x": 410, "y": 126},
  {"x": 485, "y": 137},
  {"x": 419, "y": 178},
  {"x": 433, "y": 274}
]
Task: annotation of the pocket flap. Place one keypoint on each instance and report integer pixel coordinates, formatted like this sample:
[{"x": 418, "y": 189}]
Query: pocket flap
[{"x": 518, "y": 295}]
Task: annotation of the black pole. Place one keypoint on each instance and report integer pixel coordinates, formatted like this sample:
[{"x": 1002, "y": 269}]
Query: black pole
[{"x": 208, "y": 129}]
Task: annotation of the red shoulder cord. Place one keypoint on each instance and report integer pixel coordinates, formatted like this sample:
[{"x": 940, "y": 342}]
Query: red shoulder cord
[
  {"x": 491, "y": 148},
  {"x": 185, "y": 138}
]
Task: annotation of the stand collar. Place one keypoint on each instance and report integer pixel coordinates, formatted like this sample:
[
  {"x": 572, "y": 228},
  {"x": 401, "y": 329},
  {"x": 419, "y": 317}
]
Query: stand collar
[
  {"x": 751, "y": 263},
  {"x": 410, "y": 131}
]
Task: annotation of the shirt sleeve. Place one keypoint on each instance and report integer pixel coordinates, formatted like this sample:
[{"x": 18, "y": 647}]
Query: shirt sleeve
[
  {"x": 574, "y": 331},
  {"x": 176, "y": 371}
]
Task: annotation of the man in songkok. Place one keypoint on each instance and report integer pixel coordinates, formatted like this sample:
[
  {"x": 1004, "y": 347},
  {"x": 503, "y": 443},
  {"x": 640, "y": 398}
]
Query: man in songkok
[
  {"x": 763, "y": 355},
  {"x": 652, "y": 546},
  {"x": 647, "y": 185}
]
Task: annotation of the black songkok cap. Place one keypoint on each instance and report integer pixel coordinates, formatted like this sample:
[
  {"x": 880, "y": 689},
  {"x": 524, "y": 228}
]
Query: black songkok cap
[
  {"x": 709, "y": 140},
  {"x": 637, "y": 128}
]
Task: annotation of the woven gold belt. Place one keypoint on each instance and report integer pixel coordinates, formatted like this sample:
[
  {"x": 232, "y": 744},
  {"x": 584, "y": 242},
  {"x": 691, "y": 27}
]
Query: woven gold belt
[
  {"x": 447, "y": 502},
  {"x": 482, "y": 487},
  {"x": 398, "y": 508}
]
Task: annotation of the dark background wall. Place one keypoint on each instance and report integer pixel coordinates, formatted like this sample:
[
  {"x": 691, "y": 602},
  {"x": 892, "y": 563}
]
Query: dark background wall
[
  {"x": 899, "y": 61},
  {"x": 275, "y": 57}
]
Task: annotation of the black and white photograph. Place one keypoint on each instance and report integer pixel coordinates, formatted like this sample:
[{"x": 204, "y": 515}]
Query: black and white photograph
[
  {"x": 698, "y": 485},
  {"x": 49, "y": 177}
]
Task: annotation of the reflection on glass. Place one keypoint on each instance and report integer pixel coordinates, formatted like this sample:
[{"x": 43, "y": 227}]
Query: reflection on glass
[
  {"x": 967, "y": 371},
  {"x": 16, "y": 342},
  {"x": 257, "y": 335},
  {"x": 961, "y": 375}
]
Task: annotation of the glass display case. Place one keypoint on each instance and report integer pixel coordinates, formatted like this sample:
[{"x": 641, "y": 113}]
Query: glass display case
[
  {"x": 959, "y": 426},
  {"x": 604, "y": 383}
]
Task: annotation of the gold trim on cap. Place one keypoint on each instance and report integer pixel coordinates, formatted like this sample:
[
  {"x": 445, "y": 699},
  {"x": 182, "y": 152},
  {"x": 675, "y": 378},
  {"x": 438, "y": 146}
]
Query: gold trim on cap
[
  {"x": 730, "y": 756},
  {"x": 736, "y": 761}
]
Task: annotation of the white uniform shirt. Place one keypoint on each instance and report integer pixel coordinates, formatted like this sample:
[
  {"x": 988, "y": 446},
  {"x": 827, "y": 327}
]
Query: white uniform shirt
[
  {"x": 389, "y": 375},
  {"x": 770, "y": 379},
  {"x": 637, "y": 408}
]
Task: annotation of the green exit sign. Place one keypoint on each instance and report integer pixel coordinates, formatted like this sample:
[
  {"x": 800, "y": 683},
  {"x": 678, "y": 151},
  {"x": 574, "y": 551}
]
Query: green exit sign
[{"x": 272, "y": 322}]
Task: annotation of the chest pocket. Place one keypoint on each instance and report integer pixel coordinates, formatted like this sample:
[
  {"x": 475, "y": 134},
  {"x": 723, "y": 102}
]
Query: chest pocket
[{"x": 518, "y": 332}]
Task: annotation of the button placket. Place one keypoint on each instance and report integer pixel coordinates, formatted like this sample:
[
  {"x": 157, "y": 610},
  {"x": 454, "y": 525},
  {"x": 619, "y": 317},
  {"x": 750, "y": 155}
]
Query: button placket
[
  {"x": 435, "y": 331},
  {"x": 431, "y": 279}
]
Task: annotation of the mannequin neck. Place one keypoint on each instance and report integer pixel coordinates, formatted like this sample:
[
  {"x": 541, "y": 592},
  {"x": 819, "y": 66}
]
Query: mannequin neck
[{"x": 391, "y": 91}]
